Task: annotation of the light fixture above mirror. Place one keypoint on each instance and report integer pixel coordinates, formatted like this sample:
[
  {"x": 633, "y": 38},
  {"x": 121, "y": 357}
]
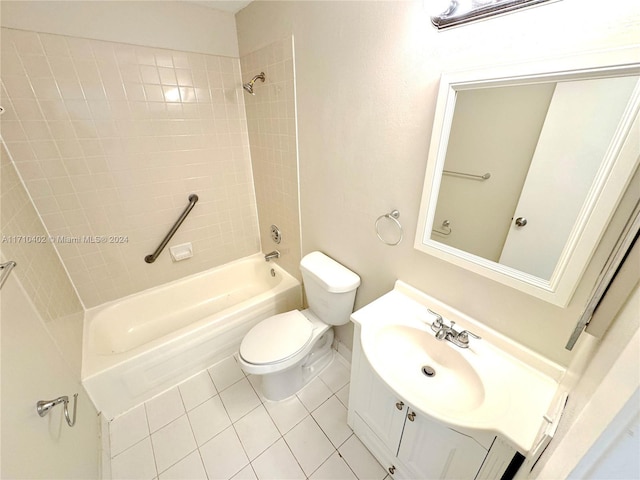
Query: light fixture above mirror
[
  {"x": 526, "y": 166},
  {"x": 449, "y": 13}
]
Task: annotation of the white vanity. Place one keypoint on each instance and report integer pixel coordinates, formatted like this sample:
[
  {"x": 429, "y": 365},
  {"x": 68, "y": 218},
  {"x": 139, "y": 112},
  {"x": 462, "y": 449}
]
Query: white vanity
[{"x": 433, "y": 408}]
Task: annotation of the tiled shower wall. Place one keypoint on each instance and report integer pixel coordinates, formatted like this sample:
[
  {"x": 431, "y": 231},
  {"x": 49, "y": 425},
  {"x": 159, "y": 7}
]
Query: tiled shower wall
[
  {"x": 38, "y": 267},
  {"x": 272, "y": 135},
  {"x": 111, "y": 139}
]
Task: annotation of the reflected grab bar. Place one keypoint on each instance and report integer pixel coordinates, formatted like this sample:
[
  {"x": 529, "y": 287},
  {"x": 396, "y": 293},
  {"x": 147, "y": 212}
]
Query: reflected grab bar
[
  {"x": 193, "y": 198},
  {"x": 5, "y": 270},
  {"x": 486, "y": 176}
]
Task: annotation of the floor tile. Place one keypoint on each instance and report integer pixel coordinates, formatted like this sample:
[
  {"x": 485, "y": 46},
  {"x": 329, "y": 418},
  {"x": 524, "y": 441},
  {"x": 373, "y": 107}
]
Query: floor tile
[
  {"x": 189, "y": 468},
  {"x": 172, "y": 443},
  {"x": 246, "y": 473},
  {"x": 197, "y": 390},
  {"x": 223, "y": 455},
  {"x": 335, "y": 468},
  {"x": 226, "y": 373},
  {"x": 135, "y": 463},
  {"x": 256, "y": 383},
  {"x": 360, "y": 460},
  {"x": 239, "y": 399},
  {"x": 208, "y": 420},
  {"x": 314, "y": 394},
  {"x": 257, "y": 432},
  {"x": 336, "y": 375},
  {"x": 128, "y": 429},
  {"x": 343, "y": 395},
  {"x": 332, "y": 418},
  {"x": 277, "y": 463},
  {"x": 309, "y": 445},
  {"x": 164, "y": 409},
  {"x": 287, "y": 413}
]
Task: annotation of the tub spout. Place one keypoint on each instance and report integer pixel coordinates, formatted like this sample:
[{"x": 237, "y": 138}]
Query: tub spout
[{"x": 272, "y": 255}]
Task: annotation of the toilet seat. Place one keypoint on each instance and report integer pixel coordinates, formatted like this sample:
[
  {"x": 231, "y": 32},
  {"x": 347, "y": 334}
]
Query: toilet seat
[{"x": 266, "y": 343}]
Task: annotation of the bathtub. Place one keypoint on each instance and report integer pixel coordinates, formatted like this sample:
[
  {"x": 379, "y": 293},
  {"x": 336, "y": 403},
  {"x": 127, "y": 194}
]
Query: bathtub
[{"x": 139, "y": 346}]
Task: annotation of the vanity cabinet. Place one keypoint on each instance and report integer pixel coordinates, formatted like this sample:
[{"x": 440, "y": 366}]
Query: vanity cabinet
[{"x": 411, "y": 445}]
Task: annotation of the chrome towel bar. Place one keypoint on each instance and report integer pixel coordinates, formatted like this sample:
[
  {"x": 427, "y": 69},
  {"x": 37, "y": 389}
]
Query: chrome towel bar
[
  {"x": 193, "y": 199},
  {"x": 5, "y": 270}
]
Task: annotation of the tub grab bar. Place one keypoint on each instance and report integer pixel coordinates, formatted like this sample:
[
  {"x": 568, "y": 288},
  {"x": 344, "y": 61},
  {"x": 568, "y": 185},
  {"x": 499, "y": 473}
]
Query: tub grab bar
[
  {"x": 193, "y": 198},
  {"x": 5, "y": 270}
]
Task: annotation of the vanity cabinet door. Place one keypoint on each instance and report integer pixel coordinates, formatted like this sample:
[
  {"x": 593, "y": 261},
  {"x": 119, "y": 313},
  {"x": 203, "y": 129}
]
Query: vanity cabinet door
[
  {"x": 382, "y": 411},
  {"x": 431, "y": 450}
]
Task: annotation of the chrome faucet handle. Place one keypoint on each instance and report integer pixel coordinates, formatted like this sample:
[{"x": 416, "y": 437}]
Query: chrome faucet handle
[
  {"x": 463, "y": 336},
  {"x": 437, "y": 323}
]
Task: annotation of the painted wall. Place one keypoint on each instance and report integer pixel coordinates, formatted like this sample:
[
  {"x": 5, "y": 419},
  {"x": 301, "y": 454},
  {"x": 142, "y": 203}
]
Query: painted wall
[
  {"x": 494, "y": 130},
  {"x": 366, "y": 82},
  {"x": 163, "y": 24},
  {"x": 33, "y": 369},
  {"x": 111, "y": 139},
  {"x": 609, "y": 381},
  {"x": 39, "y": 268},
  {"x": 41, "y": 345}
]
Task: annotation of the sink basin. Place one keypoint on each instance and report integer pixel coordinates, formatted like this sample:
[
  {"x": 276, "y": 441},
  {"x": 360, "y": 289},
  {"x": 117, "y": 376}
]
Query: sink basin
[{"x": 449, "y": 381}]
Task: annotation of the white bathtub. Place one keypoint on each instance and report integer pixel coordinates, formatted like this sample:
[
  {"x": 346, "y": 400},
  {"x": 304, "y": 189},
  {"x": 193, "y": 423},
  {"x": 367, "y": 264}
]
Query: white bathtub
[{"x": 139, "y": 346}]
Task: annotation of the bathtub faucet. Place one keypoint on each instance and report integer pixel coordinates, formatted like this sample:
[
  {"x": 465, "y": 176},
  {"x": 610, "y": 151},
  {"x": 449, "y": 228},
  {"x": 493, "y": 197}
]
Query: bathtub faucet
[{"x": 272, "y": 255}]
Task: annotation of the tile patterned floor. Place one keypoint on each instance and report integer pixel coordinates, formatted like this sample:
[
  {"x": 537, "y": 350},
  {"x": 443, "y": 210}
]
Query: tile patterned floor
[{"x": 217, "y": 426}]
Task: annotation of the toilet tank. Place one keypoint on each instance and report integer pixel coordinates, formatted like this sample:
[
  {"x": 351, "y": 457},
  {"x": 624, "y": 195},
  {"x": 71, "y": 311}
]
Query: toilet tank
[{"x": 330, "y": 288}]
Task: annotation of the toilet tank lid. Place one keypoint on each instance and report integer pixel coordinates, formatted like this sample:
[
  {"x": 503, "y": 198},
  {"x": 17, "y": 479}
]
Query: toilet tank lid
[{"x": 334, "y": 277}]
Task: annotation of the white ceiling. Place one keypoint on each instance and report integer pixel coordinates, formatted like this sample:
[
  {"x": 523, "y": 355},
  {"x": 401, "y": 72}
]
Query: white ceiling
[{"x": 231, "y": 6}]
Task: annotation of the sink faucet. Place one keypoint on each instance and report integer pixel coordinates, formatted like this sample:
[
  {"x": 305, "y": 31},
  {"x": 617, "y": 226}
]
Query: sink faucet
[
  {"x": 448, "y": 332},
  {"x": 272, "y": 255}
]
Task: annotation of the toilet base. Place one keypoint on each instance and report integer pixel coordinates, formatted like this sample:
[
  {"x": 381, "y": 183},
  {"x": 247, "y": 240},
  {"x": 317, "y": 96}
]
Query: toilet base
[{"x": 280, "y": 385}]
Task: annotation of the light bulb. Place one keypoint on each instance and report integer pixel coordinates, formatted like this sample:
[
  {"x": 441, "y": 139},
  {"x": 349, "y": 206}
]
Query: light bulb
[{"x": 435, "y": 8}]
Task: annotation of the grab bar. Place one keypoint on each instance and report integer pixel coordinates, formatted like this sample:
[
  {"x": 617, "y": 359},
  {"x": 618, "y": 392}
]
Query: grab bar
[
  {"x": 486, "y": 176},
  {"x": 193, "y": 198},
  {"x": 6, "y": 270}
]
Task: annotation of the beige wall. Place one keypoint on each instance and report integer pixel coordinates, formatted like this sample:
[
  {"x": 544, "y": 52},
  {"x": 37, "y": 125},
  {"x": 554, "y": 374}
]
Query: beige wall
[
  {"x": 271, "y": 123},
  {"x": 33, "y": 369},
  {"x": 39, "y": 268},
  {"x": 164, "y": 24},
  {"x": 41, "y": 345},
  {"x": 112, "y": 138},
  {"x": 366, "y": 82},
  {"x": 494, "y": 130},
  {"x": 610, "y": 379}
]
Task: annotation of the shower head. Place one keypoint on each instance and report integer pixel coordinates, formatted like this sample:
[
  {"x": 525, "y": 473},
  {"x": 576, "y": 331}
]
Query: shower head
[{"x": 249, "y": 86}]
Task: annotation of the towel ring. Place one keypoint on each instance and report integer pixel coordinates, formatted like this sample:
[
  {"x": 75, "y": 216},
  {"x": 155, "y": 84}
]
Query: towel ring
[{"x": 393, "y": 216}]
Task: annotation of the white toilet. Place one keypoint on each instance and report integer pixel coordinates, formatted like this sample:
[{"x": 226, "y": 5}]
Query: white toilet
[{"x": 289, "y": 349}]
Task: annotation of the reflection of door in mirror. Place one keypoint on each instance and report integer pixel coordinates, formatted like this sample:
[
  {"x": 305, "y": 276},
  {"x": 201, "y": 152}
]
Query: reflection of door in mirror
[{"x": 543, "y": 145}]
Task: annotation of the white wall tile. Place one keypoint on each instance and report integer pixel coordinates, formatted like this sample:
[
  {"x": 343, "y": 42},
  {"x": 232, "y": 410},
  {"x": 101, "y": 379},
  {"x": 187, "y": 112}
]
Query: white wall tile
[{"x": 107, "y": 101}]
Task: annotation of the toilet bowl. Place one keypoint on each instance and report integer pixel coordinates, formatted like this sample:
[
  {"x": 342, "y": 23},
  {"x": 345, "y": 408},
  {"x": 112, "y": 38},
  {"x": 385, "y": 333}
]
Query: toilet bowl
[{"x": 288, "y": 350}]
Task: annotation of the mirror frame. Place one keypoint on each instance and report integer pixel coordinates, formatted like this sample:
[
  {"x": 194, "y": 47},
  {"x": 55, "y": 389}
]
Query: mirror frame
[{"x": 612, "y": 179}]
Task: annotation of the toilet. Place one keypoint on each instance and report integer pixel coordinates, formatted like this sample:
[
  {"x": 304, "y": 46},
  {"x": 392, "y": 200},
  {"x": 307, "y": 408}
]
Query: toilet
[{"x": 288, "y": 350}]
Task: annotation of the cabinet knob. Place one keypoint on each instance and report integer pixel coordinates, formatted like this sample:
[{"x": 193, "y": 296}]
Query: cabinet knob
[
  {"x": 411, "y": 416},
  {"x": 392, "y": 469},
  {"x": 399, "y": 405}
]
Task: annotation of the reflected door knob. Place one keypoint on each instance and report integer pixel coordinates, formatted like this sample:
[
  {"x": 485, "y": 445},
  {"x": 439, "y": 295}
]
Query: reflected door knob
[{"x": 521, "y": 221}]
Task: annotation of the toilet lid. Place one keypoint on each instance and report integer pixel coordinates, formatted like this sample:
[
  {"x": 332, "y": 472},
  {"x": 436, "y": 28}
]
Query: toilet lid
[{"x": 276, "y": 338}]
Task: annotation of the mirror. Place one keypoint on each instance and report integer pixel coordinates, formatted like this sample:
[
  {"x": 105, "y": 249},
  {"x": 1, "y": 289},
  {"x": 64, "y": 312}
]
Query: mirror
[{"x": 525, "y": 168}]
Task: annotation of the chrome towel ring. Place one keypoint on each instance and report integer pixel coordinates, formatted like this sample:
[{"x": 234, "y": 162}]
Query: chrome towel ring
[{"x": 393, "y": 216}]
